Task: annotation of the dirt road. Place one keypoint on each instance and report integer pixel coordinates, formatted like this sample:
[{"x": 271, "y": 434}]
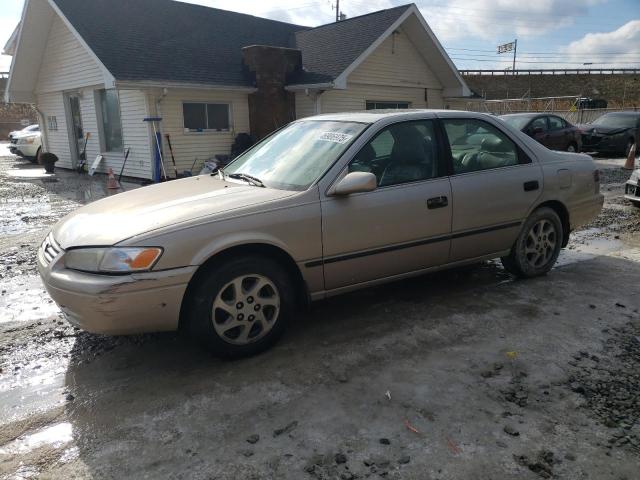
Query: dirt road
[{"x": 461, "y": 374}]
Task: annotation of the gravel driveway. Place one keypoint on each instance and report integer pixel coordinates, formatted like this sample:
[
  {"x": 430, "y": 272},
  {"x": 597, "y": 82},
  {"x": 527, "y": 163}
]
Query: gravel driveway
[{"x": 461, "y": 374}]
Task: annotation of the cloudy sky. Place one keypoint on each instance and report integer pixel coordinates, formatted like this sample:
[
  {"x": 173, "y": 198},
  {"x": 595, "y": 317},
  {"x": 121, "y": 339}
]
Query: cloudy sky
[{"x": 550, "y": 33}]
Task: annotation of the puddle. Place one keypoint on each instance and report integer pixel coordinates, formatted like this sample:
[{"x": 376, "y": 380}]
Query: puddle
[
  {"x": 24, "y": 299},
  {"x": 54, "y": 436},
  {"x": 586, "y": 246},
  {"x": 29, "y": 173}
]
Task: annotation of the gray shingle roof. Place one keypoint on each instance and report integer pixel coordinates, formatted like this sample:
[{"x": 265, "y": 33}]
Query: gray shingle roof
[{"x": 166, "y": 40}]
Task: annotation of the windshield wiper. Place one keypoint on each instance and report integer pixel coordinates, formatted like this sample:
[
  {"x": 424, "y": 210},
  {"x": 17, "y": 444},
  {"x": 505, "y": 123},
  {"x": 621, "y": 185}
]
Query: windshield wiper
[{"x": 247, "y": 178}]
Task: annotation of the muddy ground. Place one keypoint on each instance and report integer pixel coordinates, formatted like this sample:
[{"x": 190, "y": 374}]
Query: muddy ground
[{"x": 461, "y": 374}]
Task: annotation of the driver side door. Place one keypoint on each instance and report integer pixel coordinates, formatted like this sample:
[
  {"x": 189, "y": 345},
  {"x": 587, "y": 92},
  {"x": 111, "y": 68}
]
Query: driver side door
[{"x": 401, "y": 226}]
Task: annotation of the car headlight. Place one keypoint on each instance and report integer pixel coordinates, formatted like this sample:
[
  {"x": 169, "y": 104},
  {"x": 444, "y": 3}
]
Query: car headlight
[
  {"x": 27, "y": 140},
  {"x": 112, "y": 260}
]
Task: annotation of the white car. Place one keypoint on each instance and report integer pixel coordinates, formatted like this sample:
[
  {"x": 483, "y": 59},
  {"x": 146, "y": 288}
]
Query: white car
[
  {"x": 27, "y": 145},
  {"x": 30, "y": 128}
]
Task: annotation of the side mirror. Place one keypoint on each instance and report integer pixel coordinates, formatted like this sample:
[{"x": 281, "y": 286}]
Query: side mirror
[{"x": 355, "y": 182}]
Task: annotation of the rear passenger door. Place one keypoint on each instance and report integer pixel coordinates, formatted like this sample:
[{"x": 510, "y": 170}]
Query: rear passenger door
[{"x": 494, "y": 184}]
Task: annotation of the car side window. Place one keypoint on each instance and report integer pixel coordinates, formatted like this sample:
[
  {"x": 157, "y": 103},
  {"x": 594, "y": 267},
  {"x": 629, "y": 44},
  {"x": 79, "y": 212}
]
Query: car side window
[
  {"x": 556, "y": 123},
  {"x": 477, "y": 145},
  {"x": 401, "y": 153},
  {"x": 538, "y": 123}
]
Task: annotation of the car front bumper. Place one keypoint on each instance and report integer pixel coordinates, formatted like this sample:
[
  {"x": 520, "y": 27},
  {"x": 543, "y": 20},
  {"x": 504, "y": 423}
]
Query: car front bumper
[
  {"x": 632, "y": 192},
  {"x": 114, "y": 304}
]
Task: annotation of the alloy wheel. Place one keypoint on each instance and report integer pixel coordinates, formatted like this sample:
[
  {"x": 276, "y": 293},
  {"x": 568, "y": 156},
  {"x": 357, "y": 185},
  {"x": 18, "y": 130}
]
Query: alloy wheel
[
  {"x": 246, "y": 309},
  {"x": 540, "y": 243}
]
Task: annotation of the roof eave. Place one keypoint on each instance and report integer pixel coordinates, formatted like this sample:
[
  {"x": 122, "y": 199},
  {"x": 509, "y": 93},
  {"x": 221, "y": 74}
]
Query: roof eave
[
  {"x": 310, "y": 86},
  {"x": 137, "y": 84}
]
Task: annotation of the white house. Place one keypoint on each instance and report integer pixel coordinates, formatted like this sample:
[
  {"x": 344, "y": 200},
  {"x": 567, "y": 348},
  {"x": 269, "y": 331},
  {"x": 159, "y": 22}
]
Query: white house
[{"x": 103, "y": 66}]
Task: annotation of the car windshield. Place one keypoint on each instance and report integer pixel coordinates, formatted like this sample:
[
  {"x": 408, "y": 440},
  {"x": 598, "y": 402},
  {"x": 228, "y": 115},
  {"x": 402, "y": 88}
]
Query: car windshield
[
  {"x": 516, "y": 121},
  {"x": 619, "y": 121},
  {"x": 296, "y": 156}
]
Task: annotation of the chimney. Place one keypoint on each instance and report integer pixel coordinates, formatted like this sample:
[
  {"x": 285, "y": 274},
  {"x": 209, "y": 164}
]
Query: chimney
[{"x": 271, "y": 106}]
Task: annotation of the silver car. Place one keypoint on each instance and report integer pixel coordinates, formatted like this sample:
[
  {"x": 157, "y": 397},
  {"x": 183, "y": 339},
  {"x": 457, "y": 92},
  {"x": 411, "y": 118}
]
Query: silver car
[{"x": 326, "y": 205}]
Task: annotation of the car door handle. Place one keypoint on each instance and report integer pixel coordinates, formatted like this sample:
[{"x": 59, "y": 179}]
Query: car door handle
[
  {"x": 531, "y": 186},
  {"x": 437, "y": 202}
]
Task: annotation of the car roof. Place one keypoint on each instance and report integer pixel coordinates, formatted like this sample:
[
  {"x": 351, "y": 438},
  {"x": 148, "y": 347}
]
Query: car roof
[
  {"x": 373, "y": 116},
  {"x": 524, "y": 114}
]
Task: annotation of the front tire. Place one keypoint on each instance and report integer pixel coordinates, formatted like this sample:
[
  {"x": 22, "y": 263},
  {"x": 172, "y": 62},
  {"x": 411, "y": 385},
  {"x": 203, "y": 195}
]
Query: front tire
[
  {"x": 537, "y": 248},
  {"x": 241, "y": 307}
]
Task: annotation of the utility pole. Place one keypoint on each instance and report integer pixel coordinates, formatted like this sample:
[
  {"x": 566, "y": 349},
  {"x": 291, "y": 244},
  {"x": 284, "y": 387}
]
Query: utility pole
[
  {"x": 515, "y": 48},
  {"x": 337, "y": 11}
]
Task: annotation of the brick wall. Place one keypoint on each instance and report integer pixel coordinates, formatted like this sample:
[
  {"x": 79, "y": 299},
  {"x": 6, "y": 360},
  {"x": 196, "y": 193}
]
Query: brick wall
[
  {"x": 615, "y": 88},
  {"x": 271, "y": 106},
  {"x": 12, "y": 114}
]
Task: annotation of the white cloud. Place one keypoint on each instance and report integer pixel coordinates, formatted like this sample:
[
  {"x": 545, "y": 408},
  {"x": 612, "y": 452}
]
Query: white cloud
[
  {"x": 612, "y": 48},
  {"x": 493, "y": 19}
]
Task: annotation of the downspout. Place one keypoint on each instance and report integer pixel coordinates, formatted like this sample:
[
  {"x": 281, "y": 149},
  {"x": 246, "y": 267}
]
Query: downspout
[{"x": 158, "y": 169}]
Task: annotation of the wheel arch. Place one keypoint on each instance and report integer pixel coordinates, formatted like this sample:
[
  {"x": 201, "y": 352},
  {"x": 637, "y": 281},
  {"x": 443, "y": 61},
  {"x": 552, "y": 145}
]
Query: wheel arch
[
  {"x": 562, "y": 211},
  {"x": 254, "y": 248}
]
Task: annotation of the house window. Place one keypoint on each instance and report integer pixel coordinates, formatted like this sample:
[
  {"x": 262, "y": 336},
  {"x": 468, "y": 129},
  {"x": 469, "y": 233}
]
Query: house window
[
  {"x": 200, "y": 117},
  {"x": 376, "y": 105},
  {"x": 52, "y": 123},
  {"x": 111, "y": 124}
]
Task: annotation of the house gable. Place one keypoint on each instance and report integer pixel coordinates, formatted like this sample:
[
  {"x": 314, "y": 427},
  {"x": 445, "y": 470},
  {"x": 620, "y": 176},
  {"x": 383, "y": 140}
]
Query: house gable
[
  {"x": 66, "y": 64},
  {"x": 396, "y": 61}
]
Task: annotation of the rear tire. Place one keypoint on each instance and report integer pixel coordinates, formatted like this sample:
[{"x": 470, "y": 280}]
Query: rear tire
[
  {"x": 537, "y": 247},
  {"x": 241, "y": 307}
]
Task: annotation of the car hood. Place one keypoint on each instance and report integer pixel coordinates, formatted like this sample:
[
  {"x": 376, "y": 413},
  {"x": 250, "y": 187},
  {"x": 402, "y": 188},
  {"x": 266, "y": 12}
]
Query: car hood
[
  {"x": 597, "y": 130},
  {"x": 114, "y": 219}
]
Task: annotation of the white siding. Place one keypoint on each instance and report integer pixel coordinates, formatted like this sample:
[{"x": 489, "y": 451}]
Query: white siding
[
  {"x": 52, "y": 104},
  {"x": 395, "y": 62},
  {"x": 356, "y": 96},
  {"x": 189, "y": 146},
  {"x": 136, "y": 134},
  {"x": 305, "y": 105},
  {"x": 66, "y": 64}
]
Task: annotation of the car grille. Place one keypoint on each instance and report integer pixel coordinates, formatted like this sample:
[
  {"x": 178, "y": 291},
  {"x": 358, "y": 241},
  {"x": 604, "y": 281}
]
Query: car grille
[
  {"x": 14, "y": 140},
  {"x": 632, "y": 190},
  {"x": 50, "y": 249}
]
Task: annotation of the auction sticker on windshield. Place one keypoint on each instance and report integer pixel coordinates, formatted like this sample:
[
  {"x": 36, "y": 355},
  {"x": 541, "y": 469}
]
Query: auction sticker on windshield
[{"x": 335, "y": 137}]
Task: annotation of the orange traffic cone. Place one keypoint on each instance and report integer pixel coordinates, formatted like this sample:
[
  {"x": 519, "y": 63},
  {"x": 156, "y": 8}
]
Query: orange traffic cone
[
  {"x": 630, "y": 164},
  {"x": 112, "y": 183}
]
